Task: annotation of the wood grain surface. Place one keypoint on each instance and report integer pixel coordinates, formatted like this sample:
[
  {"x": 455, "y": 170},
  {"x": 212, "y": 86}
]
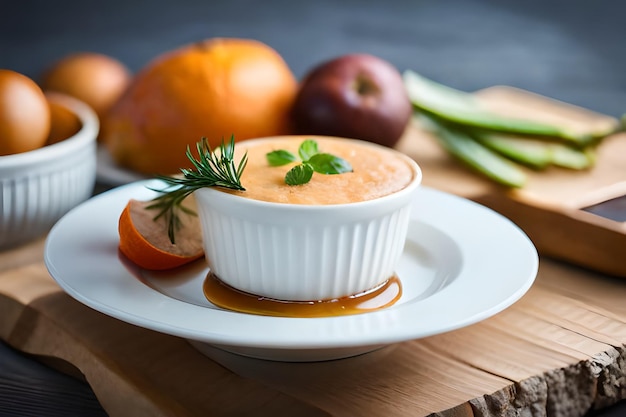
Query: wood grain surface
[{"x": 559, "y": 351}]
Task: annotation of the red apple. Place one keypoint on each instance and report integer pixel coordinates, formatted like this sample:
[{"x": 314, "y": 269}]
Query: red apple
[{"x": 356, "y": 96}]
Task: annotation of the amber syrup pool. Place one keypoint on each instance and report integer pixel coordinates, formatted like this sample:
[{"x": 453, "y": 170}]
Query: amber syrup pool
[{"x": 225, "y": 296}]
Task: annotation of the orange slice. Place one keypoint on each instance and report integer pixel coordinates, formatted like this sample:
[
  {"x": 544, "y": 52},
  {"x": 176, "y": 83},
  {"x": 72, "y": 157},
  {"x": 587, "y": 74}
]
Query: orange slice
[{"x": 145, "y": 241}]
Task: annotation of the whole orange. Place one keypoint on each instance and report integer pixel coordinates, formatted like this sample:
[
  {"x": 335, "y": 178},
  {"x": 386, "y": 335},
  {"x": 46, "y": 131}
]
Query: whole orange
[
  {"x": 215, "y": 89},
  {"x": 94, "y": 78},
  {"x": 24, "y": 114},
  {"x": 63, "y": 122}
]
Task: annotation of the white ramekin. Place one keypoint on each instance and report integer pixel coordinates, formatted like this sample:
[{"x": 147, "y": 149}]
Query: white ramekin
[
  {"x": 40, "y": 186},
  {"x": 305, "y": 252}
]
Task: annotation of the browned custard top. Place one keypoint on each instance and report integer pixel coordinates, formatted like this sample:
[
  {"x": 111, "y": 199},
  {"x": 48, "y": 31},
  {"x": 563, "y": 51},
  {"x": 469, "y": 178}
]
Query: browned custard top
[{"x": 377, "y": 172}]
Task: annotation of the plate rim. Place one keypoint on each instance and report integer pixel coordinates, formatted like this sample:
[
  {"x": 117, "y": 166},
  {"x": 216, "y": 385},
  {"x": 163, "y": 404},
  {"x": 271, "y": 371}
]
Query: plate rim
[{"x": 335, "y": 327}]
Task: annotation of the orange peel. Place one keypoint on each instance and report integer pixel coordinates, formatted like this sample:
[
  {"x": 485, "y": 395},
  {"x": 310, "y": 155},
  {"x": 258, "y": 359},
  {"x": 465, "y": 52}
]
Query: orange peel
[{"x": 144, "y": 240}]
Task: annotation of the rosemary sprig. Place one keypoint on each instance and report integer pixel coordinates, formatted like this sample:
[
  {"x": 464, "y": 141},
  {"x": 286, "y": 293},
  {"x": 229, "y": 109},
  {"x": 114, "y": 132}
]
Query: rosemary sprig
[{"x": 211, "y": 169}]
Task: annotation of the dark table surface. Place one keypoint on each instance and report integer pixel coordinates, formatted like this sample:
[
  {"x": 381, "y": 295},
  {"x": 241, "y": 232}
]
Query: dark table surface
[{"x": 569, "y": 50}]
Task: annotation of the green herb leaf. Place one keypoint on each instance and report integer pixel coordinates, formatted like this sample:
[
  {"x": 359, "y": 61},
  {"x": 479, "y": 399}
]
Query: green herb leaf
[
  {"x": 312, "y": 161},
  {"x": 325, "y": 163},
  {"x": 308, "y": 149},
  {"x": 300, "y": 174},
  {"x": 280, "y": 157}
]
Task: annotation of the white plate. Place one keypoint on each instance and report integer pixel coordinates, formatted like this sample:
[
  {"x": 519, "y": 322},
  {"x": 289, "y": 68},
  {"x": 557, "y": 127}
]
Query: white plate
[{"x": 462, "y": 263}]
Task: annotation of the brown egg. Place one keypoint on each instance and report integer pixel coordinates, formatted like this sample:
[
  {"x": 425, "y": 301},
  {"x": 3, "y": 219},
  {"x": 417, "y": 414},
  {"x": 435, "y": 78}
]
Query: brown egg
[
  {"x": 63, "y": 123},
  {"x": 96, "y": 79},
  {"x": 24, "y": 114}
]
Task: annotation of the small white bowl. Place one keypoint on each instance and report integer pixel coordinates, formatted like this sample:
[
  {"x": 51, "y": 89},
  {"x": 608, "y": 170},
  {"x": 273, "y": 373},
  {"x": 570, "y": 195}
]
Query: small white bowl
[
  {"x": 38, "y": 187},
  {"x": 301, "y": 252}
]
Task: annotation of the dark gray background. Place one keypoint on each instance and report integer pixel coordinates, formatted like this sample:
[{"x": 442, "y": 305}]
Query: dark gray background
[{"x": 569, "y": 50}]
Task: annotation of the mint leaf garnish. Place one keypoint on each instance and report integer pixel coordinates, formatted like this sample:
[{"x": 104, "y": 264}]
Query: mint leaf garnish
[
  {"x": 280, "y": 157},
  {"x": 308, "y": 149},
  {"x": 299, "y": 174},
  {"x": 311, "y": 161},
  {"x": 325, "y": 163}
]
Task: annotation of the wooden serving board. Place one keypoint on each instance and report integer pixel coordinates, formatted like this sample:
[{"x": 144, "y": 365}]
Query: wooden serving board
[
  {"x": 561, "y": 350},
  {"x": 549, "y": 207}
]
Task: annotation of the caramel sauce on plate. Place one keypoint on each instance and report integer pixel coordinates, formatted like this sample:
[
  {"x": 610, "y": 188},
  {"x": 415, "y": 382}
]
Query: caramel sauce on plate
[{"x": 225, "y": 296}]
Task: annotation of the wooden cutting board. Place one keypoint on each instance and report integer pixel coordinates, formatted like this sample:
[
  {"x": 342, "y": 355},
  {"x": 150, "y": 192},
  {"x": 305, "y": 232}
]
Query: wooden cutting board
[
  {"x": 560, "y": 349},
  {"x": 550, "y": 207}
]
